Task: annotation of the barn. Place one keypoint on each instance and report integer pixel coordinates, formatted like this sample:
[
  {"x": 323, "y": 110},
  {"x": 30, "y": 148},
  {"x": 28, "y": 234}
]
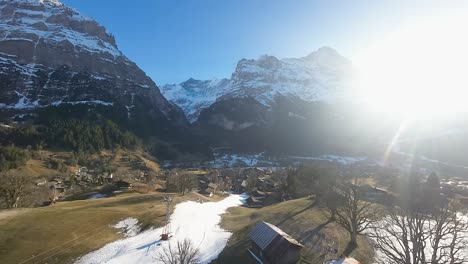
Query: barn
[{"x": 271, "y": 245}]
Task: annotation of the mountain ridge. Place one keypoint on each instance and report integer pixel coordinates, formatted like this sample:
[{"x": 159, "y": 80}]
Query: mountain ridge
[
  {"x": 323, "y": 75},
  {"x": 50, "y": 54}
]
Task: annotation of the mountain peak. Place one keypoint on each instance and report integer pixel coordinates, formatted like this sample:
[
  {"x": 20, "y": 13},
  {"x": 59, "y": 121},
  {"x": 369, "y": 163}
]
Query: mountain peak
[
  {"x": 59, "y": 56},
  {"x": 37, "y": 2},
  {"x": 326, "y": 55},
  {"x": 320, "y": 76}
]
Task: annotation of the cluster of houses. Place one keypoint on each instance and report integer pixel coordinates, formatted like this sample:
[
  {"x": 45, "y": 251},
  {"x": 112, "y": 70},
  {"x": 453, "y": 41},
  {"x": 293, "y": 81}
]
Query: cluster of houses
[
  {"x": 56, "y": 186},
  {"x": 256, "y": 182},
  {"x": 85, "y": 175},
  {"x": 456, "y": 188}
]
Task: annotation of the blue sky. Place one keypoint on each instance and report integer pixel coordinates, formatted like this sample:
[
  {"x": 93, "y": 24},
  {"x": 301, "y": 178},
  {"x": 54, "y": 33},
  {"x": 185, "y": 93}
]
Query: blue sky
[{"x": 172, "y": 40}]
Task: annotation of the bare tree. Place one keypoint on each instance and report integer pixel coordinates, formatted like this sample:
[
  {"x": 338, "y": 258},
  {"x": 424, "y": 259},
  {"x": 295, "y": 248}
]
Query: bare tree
[
  {"x": 183, "y": 253},
  {"x": 186, "y": 182},
  {"x": 354, "y": 214},
  {"x": 409, "y": 236},
  {"x": 13, "y": 187},
  {"x": 180, "y": 181}
]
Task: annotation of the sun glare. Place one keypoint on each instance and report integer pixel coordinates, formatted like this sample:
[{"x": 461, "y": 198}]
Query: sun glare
[{"x": 421, "y": 70}]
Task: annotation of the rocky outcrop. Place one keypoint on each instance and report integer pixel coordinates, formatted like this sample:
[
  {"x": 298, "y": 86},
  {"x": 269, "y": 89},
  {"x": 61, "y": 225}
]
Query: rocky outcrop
[{"x": 50, "y": 54}]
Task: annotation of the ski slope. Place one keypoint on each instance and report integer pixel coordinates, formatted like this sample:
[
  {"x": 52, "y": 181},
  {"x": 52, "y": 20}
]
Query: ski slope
[{"x": 198, "y": 222}]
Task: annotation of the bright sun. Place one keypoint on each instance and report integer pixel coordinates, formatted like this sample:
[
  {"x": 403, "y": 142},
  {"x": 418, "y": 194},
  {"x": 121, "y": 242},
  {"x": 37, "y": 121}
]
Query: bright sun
[{"x": 419, "y": 71}]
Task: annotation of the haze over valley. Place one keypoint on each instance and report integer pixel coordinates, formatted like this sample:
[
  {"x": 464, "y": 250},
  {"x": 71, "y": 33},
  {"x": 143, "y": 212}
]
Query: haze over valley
[{"x": 308, "y": 145}]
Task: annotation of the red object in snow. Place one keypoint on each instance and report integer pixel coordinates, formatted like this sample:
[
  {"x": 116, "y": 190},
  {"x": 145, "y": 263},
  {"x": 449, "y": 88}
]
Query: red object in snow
[{"x": 165, "y": 237}]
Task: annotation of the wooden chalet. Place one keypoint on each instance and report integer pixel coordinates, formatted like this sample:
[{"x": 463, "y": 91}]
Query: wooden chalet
[
  {"x": 252, "y": 202},
  {"x": 271, "y": 245},
  {"x": 125, "y": 183}
]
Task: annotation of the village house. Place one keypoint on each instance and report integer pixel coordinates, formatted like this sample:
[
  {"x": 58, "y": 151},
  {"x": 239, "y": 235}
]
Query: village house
[
  {"x": 259, "y": 195},
  {"x": 375, "y": 194},
  {"x": 108, "y": 177},
  {"x": 265, "y": 183},
  {"x": 211, "y": 190},
  {"x": 252, "y": 202},
  {"x": 41, "y": 182},
  {"x": 125, "y": 183},
  {"x": 271, "y": 245}
]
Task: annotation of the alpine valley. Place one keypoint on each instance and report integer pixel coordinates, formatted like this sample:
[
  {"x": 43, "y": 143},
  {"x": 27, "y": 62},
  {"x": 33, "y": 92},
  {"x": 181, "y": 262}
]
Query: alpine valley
[{"x": 61, "y": 73}]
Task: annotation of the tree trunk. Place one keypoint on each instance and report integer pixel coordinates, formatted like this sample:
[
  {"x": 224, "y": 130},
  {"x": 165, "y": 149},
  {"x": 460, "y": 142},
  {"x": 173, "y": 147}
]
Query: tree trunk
[
  {"x": 353, "y": 240},
  {"x": 15, "y": 204}
]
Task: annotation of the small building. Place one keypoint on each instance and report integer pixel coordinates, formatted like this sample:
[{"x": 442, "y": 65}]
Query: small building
[
  {"x": 259, "y": 195},
  {"x": 126, "y": 183},
  {"x": 271, "y": 245},
  {"x": 343, "y": 261},
  {"x": 108, "y": 177},
  {"x": 210, "y": 190},
  {"x": 41, "y": 182},
  {"x": 252, "y": 202},
  {"x": 375, "y": 194}
]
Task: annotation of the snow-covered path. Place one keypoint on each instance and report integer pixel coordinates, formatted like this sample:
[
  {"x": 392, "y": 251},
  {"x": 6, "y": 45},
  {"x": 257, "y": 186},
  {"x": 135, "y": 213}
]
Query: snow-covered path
[{"x": 198, "y": 222}]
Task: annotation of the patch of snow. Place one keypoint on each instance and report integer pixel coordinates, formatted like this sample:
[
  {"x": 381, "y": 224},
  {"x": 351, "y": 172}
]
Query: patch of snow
[
  {"x": 97, "y": 196},
  {"x": 198, "y": 222},
  {"x": 291, "y": 114},
  {"x": 381, "y": 257},
  {"x": 129, "y": 226},
  {"x": 99, "y": 102},
  {"x": 241, "y": 160},
  {"x": 345, "y": 160}
]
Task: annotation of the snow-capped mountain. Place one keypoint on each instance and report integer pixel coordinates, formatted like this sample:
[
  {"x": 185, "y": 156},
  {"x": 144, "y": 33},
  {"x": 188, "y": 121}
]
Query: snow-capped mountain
[
  {"x": 323, "y": 75},
  {"x": 194, "y": 95},
  {"x": 50, "y": 54}
]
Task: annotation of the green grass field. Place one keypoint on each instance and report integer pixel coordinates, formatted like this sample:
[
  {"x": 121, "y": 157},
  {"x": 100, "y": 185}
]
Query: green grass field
[
  {"x": 300, "y": 218},
  {"x": 67, "y": 230}
]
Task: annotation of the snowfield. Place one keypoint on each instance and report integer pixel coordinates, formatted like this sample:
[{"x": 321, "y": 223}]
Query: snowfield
[{"x": 198, "y": 222}]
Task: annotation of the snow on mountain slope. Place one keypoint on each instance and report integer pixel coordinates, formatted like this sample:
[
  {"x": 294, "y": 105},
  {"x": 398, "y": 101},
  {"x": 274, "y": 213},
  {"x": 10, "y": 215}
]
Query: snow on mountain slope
[
  {"x": 194, "y": 95},
  {"x": 323, "y": 75},
  {"x": 51, "y": 54}
]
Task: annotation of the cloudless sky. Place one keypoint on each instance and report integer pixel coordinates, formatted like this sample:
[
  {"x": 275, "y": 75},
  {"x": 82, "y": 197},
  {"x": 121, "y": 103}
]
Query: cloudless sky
[{"x": 173, "y": 40}]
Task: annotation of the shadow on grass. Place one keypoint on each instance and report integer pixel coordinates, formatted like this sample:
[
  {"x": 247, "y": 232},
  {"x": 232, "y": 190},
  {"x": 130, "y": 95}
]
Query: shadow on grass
[
  {"x": 309, "y": 235},
  {"x": 289, "y": 216},
  {"x": 128, "y": 201}
]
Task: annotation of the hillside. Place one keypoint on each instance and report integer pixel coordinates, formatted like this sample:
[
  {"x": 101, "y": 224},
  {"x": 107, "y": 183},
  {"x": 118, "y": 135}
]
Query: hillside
[
  {"x": 300, "y": 218},
  {"x": 59, "y": 68},
  {"x": 67, "y": 230}
]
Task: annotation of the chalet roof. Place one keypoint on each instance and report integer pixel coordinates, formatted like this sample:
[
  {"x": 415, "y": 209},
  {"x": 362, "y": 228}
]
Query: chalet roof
[
  {"x": 368, "y": 188},
  {"x": 41, "y": 180},
  {"x": 257, "y": 193},
  {"x": 128, "y": 180},
  {"x": 264, "y": 234},
  {"x": 209, "y": 190},
  {"x": 251, "y": 200},
  {"x": 344, "y": 261}
]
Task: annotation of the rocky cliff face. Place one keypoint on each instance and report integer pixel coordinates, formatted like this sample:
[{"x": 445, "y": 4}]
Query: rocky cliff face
[{"x": 51, "y": 55}]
